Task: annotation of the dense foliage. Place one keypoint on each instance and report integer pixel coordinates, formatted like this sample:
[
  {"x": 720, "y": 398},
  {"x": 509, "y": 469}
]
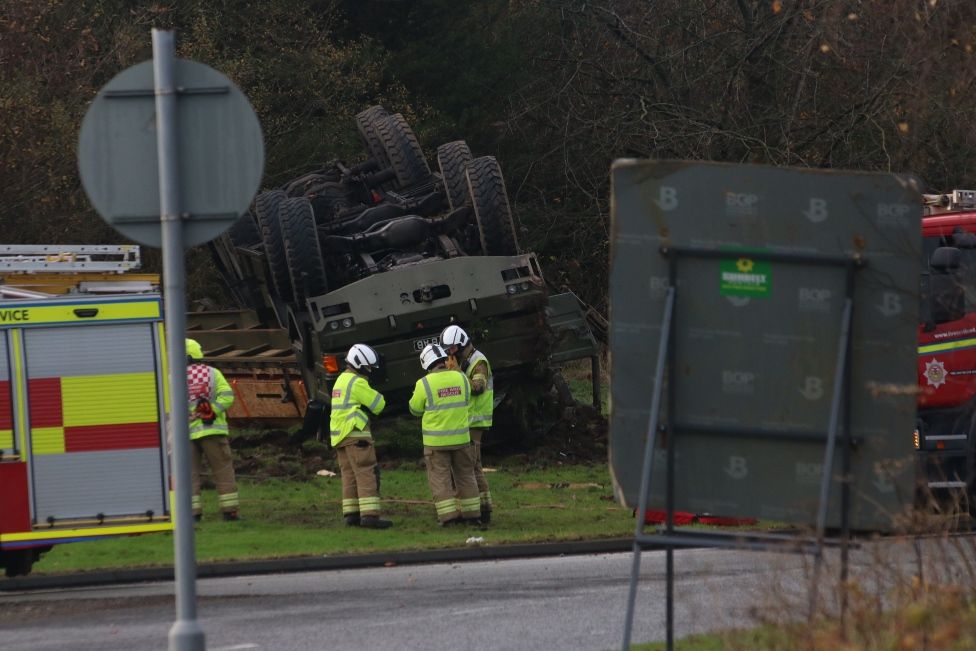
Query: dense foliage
[{"x": 555, "y": 88}]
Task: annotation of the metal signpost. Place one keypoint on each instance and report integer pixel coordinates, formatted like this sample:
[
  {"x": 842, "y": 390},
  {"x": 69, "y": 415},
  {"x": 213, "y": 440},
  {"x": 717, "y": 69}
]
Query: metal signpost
[
  {"x": 171, "y": 154},
  {"x": 763, "y": 330}
]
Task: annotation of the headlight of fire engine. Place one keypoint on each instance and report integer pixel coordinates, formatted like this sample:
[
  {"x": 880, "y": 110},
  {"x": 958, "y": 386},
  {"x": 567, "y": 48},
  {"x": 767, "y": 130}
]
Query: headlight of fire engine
[
  {"x": 915, "y": 439},
  {"x": 333, "y": 325},
  {"x": 525, "y": 287},
  {"x": 347, "y": 323},
  {"x": 511, "y": 289}
]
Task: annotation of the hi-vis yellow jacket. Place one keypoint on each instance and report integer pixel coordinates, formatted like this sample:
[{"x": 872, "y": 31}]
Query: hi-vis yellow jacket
[
  {"x": 483, "y": 404},
  {"x": 207, "y": 382},
  {"x": 350, "y": 393},
  {"x": 442, "y": 397}
]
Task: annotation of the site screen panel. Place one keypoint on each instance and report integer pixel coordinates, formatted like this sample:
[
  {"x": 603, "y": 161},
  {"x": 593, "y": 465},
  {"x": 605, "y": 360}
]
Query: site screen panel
[{"x": 755, "y": 341}]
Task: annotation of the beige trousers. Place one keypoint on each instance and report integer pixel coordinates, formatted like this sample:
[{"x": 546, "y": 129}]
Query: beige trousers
[
  {"x": 477, "y": 435},
  {"x": 360, "y": 477},
  {"x": 216, "y": 449},
  {"x": 450, "y": 475}
]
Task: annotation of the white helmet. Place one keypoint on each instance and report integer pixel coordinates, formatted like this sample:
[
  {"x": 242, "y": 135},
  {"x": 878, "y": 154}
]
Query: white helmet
[
  {"x": 363, "y": 358},
  {"x": 454, "y": 336},
  {"x": 431, "y": 354}
]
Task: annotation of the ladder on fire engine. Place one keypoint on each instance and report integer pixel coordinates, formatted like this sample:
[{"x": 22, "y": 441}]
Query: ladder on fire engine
[
  {"x": 45, "y": 270},
  {"x": 69, "y": 258},
  {"x": 955, "y": 200}
]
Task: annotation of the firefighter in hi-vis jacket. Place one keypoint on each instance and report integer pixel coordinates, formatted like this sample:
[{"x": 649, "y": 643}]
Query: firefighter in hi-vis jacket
[
  {"x": 442, "y": 397},
  {"x": 474, "y": 364},
  {"x": 210, "y": 398},
  {"x": 353, "y": 441}
]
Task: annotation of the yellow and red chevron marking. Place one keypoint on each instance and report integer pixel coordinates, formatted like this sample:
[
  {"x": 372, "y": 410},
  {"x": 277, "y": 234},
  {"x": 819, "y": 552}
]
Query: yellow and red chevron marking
[
  {"x": 6, "y": 417},
  {"x": 94, "y": 412},
  {"x": 47, "y": 440}
]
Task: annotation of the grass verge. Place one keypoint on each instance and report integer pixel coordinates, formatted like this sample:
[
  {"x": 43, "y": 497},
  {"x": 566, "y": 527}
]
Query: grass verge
[
  {"x": 302, "y": 518},
  {"x": 764, "y": 637}
]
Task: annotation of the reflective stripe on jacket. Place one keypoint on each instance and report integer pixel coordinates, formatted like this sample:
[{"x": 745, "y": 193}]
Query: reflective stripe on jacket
[
  {"x": 442, "y": 397},
  {"x": 350, "y": 393},
  {"x": 204, "y": 381},
  {"x": 483, "y": 404}
]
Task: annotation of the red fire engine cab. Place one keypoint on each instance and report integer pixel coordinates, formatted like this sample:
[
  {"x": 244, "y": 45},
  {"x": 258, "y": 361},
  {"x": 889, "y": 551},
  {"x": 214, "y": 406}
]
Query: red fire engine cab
[
  {"x": 83, "y": 450},
  {"x": 946, "y": 426}
]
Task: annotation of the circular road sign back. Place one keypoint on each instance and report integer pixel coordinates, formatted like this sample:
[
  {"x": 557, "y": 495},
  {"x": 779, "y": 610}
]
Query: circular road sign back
[{"x": 221, "y": 153}]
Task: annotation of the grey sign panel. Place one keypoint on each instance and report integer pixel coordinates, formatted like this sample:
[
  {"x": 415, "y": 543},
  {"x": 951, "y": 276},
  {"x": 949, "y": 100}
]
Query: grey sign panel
[
  {"x": 221, "y": 153},
  {"x": 755, "y": 342},
  {"x": 110, "y": 483}
]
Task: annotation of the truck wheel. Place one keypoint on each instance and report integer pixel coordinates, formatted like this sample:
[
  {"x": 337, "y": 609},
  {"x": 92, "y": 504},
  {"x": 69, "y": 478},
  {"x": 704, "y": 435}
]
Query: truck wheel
[
  {"x": 305, "y": 264},
  {"x": 366, "y": 124},
  {"x": 453, "y": 159},
  {"x": 245, "y": 232},
  {"x": 491, "y": 207},
  {"x": 17, "y": 562},
  {"x": 267, "y": 207},
  {"x": 404, "y": 152}
]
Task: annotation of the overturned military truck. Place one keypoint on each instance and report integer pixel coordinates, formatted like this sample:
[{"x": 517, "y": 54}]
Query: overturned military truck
[{"x": 388, "y": 252}]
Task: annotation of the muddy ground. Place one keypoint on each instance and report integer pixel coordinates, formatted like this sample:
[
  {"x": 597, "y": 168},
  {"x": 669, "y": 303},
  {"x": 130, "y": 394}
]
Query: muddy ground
[{"x": 554, "y": 435}]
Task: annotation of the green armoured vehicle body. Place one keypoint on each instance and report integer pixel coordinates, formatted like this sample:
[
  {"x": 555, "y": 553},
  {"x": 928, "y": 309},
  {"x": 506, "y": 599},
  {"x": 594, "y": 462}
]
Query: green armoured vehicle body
[{"x": 389, "y": 254}]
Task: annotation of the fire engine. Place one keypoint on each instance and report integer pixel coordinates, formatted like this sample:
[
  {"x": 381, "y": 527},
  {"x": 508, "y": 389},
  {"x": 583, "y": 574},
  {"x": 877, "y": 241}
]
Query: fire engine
[
  {"x": 946, "y": 422},
  {"x": 83, "y": 446}
]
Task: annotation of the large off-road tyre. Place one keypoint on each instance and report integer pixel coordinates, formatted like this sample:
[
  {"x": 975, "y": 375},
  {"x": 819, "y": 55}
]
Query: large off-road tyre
[
  {"x": 266, "y": 209},
  {"x": 453, "y": 159},
  {"x": 403, "y": 150},
  {"x": 491, "y": 208},
  {"x": 245, "y": 232},
  {"x": 306, "y": 266},
  {"x": 366, "y": 124}
]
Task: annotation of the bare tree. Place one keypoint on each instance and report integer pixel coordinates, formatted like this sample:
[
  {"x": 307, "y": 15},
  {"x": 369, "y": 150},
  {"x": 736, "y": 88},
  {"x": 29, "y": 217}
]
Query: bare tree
[{"x": 862, "y": 84}]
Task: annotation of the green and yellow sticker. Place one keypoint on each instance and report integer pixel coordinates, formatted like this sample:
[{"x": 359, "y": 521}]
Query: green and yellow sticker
[{"x": 745, "y": 277}]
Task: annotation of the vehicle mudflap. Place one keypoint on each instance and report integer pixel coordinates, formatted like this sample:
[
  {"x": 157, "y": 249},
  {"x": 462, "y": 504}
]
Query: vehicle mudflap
[{"x": 314, "y": 422}]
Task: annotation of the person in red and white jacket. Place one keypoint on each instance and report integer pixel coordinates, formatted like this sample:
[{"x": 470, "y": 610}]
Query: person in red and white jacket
[{"x": 210, "y": 398}]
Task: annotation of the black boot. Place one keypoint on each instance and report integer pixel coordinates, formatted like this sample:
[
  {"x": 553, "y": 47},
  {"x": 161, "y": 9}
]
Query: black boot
[
  {"x": 485, "y": 516},
  {"x": 374, "y": 522},
  {"x": 232, "y": 516},
  {"x": 352, "y": 520}
]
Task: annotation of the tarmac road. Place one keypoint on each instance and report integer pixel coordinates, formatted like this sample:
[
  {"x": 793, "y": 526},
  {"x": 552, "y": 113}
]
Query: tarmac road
[
  {"x": 567, "y": 603},
  {"x": 570, "y": 602}
]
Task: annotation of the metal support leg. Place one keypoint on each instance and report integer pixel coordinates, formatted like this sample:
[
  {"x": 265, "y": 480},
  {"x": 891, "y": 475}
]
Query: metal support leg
[
  {"x": 845, "y": 488},
  {"x": 652, "y": 425},
  {"x": 840, "y": 376},
  {"x": 669, "y": 604},
  {"x": 671, "y": 444}
]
